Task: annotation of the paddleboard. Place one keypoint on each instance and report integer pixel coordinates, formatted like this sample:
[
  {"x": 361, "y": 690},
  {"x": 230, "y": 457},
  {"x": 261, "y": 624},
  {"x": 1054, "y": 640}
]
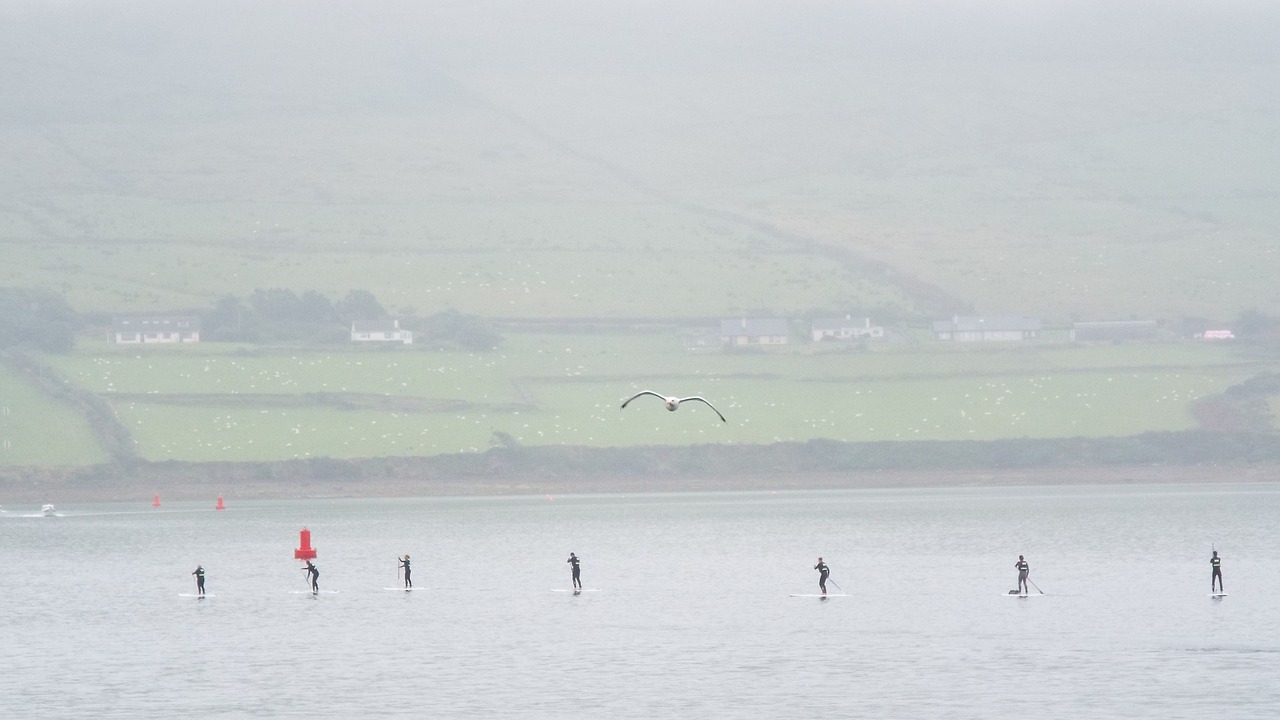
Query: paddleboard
[
  {"x": 1217, "y": 595},
  {"x": 196, "y": 595},
  {"x": 818, "y": 595},
  {"x": 571, "y": 590},
  {"x": 308, "y": 592},
  {"x": 403, "y": 589},
  {"x": 1024, "y": 595}
]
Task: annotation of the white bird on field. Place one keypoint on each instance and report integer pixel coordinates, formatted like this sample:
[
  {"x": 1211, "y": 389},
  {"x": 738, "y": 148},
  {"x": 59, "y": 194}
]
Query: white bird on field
[{"x": 674, "y": 402}]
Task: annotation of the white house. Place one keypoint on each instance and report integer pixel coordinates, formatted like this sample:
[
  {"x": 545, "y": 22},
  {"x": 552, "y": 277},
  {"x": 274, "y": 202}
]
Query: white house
[
  {"x": 754, "y": 331},
  {"x": 155, "y": 329},
  {"x": 846, "y": 328},
  {"x": 380, "y": 331},
  {"x": 988, "y": 328}
]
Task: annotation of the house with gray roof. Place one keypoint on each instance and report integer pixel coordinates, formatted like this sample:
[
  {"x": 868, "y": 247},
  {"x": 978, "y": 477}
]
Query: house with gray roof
[
  {"x": 155, "y": 329},
  {"x": 986, "y": 328},
  {"x": 754, "y": 331}
]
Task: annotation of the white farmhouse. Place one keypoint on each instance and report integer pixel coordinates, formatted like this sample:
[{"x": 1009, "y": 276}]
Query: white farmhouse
[
  {"x": 846, "y": 328},
  {"x": 380, "y": 331}
]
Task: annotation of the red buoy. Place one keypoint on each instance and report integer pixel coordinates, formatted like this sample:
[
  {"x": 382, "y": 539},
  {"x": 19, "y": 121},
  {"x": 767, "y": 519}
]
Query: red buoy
[
  {"x": 156, "y": 502},
  {"x": 305, "y": 551},
  {"x": 220, "y": 505}
]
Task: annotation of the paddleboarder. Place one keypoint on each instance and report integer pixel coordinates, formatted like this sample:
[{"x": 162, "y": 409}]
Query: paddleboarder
[
  {"x": 404, "y": 563},
  {"x": 823, "y": 571},
  {"x": 1023, "y": 571},
  {"x": 577, "y": 582},
  {"x": 315, "y": 576},
  {"x": 199, "y": 573},
  {"x": 1216, "y": 578}
]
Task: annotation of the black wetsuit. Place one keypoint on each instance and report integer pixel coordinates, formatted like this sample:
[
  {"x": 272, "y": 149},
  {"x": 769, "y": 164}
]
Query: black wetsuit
[
  {"x": 405, "y": 564},
  {"x": 315, "y": 576},
  {"x": 822, "y": 578},
  {"x": 1216, "y": 562},
  {"x": 573, "y": 560},
  {"x": 199, "y": 573},
  {"x": 1023, "y": 571}
]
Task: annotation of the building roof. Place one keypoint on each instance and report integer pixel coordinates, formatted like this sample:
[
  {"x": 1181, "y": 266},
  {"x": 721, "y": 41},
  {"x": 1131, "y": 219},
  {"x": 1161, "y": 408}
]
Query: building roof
[
  {"x": 986, "y": 323},
  {"x": 840, "y": 323},
  {"x": 155, "y": 323},
  {"x": 381, "y": 325},
  {"x": 754, "y": 327}
]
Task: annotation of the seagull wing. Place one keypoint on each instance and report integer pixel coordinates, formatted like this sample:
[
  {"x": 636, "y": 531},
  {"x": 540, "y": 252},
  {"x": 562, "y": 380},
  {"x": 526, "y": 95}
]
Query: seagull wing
[
  {"x": 704, "y": 402},
  {"x": 645, "y": 392}
]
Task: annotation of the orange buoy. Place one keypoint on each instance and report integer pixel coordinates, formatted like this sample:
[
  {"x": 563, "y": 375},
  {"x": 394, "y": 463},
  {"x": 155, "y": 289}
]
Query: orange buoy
[
  {"x": 220, "y": 506},
  {"x": 305, "y": 551},
  {"x": 156, "y": 502}
]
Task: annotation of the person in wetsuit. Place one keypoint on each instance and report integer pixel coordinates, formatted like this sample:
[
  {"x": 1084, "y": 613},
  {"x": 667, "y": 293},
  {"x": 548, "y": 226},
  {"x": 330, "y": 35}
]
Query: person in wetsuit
[
  {"x": 404, "y": 563},
  {"x": 1216, "y": 578},
  {"x": 1023, "y": 571},
  {"x": 823, "y": 571},
  {"x": 315, "y": 576},
  {"x": 199, "y": 573},
  {"x": 577, "y": 582}
]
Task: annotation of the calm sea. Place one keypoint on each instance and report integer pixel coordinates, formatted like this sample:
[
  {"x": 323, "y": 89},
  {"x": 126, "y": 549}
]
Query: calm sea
[{"x": 693, "y": 617}]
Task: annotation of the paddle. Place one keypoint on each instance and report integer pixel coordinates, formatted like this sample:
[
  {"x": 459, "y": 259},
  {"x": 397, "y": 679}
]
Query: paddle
[
  {"x": 833, "y": 582},
  {"x": 1037, "y": 587}
]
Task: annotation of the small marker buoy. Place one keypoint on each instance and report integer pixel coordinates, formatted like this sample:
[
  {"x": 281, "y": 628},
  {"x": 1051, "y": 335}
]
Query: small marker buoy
[
  {"x": 220, "y": 506},
  {"x": 156, "y": 502}
]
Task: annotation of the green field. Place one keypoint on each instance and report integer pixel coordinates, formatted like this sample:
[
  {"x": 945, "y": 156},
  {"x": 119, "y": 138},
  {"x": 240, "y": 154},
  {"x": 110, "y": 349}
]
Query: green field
[
  {"x": 209, "y": 402},
  {"x": 35, "y": 430}
]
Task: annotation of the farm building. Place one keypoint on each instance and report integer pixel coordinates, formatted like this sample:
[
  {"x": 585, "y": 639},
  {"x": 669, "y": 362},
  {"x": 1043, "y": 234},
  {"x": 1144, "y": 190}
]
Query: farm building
[
  {"x": 155, "y": 329},
  {"x": 754, "y": 331},
  {"x": 986, "y": 328},
  {"x": 846, "y": 328},
  {"x": 380, "y": 331},
  {"x": 1103, "y": 330}
]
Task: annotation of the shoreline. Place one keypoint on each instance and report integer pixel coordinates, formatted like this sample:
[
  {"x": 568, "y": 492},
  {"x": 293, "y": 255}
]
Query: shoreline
[{"x": 134, "y": 490}]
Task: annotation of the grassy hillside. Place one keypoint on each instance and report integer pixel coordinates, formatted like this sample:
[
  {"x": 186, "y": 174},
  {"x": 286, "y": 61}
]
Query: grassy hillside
[
  {"x": 38, "y": 430},
  {"x": 646, "y": 159},
  {"x": 665, "y": 161}
]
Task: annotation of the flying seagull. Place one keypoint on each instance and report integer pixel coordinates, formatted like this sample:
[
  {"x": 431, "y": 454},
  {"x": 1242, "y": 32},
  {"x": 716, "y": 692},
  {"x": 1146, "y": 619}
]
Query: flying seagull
[{"x": 674, "y": 402}]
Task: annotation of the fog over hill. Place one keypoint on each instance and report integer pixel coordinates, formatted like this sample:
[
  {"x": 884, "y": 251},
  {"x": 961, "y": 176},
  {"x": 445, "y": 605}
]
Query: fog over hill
[{"x": 1057, "y": 159}]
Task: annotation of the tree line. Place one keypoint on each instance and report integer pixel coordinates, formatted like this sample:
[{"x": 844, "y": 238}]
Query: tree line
[
  {"x": 280, "y": 315},
  {"x": 42, "y": 320}
]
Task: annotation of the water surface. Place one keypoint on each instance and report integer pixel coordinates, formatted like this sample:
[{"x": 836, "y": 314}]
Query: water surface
[{"x": 693, "y": 617}]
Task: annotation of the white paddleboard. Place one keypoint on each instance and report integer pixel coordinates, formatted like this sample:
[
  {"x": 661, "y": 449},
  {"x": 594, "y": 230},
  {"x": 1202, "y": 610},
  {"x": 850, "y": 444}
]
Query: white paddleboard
[
  {"x": 1024, "y": 595},
  {"x": 1217, "y": 595},
  {"x": 571, "y": 590},
  {"x": 403, "y": 589},
  {"x": 196, "y": 595},
  {"x": 819, "y": 595}
]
